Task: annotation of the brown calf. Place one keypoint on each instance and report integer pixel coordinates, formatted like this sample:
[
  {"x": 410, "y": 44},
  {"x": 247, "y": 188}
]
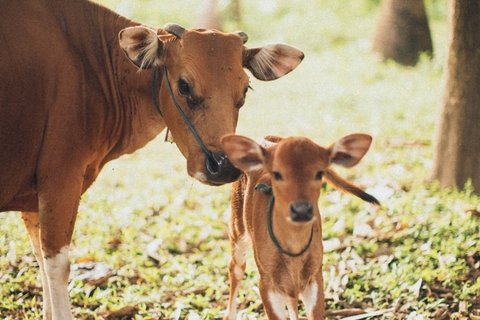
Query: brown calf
[{"x": 276, "y": 202}]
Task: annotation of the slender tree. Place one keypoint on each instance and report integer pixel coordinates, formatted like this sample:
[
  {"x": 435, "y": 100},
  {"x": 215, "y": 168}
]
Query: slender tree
[
  {"x": 457, "y": 148},
  {"x": 208, "y": 16},
  {"x": 402, "y": 31}
]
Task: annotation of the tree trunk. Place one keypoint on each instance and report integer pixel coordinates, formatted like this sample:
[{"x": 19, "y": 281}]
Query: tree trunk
[
  {"x": 402, "y": 31},
  {"x": 457, "y": 149},
  {"x": 208, "y": 16}
]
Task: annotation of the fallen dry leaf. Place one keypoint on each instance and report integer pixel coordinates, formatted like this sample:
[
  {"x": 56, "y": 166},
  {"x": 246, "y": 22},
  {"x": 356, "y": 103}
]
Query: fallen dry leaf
[
  {"x": 93, "y": 273},
  {"x": 475, "y": 314},
  {"x": 122, "y": 312},
  {"x": 363, "y": 230},
  {"x": 153, "y": 249},
  {"x": 331, "y": 244},
  {"x": 344, "y": 312},
  {"x": 475, "y": 213}
]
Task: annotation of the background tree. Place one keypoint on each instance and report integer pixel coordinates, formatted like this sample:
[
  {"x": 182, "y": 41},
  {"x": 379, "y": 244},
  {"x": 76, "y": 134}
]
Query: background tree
[
  {"x": 402, "y": 31},
  {"x": 457, "y": 149},
  {"x": 209, "y": 16}
]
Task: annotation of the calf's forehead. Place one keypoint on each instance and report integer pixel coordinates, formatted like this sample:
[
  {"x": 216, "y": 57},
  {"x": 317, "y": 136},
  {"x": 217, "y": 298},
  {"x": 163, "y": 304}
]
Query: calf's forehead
[{"x": 299, "y": 156}]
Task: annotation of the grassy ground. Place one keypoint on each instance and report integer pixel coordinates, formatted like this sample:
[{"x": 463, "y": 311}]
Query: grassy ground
[{"x": 152, "y": 241}]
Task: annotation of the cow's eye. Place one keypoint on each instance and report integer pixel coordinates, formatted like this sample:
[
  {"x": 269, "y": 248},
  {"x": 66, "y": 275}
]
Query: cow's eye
[
  {"x": 184, "y": 88},
  {"x": 319, "y": 175},
  {"x": 277, "y": 176}
]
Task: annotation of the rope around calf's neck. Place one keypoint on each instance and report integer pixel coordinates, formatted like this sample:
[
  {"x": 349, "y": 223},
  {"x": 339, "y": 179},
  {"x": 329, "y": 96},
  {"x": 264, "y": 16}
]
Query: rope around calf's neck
[{"x": 269, "y": 191}]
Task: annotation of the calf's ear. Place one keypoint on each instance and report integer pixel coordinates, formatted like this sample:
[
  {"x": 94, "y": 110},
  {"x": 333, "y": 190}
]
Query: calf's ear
[
  {"x": 142, "y": 46},
  {"x": 349, "y": 150},
  {"x": 272, "y": 61},
  {"x": 243, "y": 152}
]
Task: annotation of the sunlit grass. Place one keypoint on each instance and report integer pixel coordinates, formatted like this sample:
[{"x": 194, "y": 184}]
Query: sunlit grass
[{"x": 421, "y": 233}]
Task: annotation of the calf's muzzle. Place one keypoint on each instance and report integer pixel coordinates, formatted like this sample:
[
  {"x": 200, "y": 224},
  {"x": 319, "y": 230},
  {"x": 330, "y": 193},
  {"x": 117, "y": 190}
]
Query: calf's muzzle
[
  {"x": 219, "y": 169},
  {"x": 301, "y": 211}
]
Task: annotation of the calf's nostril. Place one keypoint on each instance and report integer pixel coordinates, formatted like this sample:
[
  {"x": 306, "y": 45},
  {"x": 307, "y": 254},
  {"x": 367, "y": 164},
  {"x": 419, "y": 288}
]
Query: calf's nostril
[{"x": 301, "y": 211}]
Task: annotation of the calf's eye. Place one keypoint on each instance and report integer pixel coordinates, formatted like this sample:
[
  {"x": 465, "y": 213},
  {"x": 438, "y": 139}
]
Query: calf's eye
[{"x": 319, "y": 175}]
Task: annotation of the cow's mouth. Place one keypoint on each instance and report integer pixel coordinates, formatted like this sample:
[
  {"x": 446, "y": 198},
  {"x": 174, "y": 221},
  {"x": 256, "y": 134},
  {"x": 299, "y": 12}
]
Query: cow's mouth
[{"x": 219, "y": 170}]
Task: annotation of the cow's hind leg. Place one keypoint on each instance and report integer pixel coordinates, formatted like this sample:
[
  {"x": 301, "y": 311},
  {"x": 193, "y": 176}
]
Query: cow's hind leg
[{"x": 32, "y": 224}]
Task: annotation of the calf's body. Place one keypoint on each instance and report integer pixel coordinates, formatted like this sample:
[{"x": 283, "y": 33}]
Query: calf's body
[{"x": 283, "y": 180}]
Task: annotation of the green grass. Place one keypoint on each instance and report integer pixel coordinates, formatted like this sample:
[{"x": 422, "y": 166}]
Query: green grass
[{"x": 422, "y": 235}]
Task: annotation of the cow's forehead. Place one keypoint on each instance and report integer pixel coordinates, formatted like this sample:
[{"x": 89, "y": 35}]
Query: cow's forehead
[{"x": 212, "y": 45}]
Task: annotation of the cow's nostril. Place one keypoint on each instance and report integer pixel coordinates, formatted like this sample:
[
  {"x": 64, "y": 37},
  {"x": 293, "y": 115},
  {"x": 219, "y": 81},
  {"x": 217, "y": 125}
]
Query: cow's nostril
[
  {"x": 219, "y": 169},
  {"x": 213, "y": 165},
  {"x": 301, "y": 211}
]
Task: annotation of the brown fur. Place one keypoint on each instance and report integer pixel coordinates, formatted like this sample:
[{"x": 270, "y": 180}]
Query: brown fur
[
  {"x": 75, "y": 93},
  {"x": 298, "y": 161}
]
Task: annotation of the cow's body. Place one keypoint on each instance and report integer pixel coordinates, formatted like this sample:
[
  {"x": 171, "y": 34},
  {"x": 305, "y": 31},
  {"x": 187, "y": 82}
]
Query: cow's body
[
  {"x": 68, "y": 96},
  {"x": 76, "y": 92}
]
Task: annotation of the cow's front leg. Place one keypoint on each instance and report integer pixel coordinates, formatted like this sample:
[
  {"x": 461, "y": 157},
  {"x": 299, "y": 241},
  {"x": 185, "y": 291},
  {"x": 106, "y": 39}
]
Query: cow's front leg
[
  {"x": 32, "y": 224},
  {"x": 58, "y": 203}
]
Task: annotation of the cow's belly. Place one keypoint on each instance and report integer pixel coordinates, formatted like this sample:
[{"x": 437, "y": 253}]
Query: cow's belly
[{"x": 25, "y": 202}]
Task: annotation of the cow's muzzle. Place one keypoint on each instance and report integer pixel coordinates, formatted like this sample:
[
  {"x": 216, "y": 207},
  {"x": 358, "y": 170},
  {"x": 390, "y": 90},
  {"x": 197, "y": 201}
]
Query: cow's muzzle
[{"x": 219, "y": 169}]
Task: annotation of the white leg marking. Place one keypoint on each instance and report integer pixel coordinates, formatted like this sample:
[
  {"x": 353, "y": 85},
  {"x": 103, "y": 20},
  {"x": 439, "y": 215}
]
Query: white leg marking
[
  {"x": 292, "y": 310},
  {"x": 238, "y": 272},
  {"x": 239, "y": 256},
  {"x": 309, "y": 298},
  {"x": 57, "y": 269},
  {"x": 278, "y": 303},
  {"x": 240, "y": 250},
  {"x": 231, "y": 311}
]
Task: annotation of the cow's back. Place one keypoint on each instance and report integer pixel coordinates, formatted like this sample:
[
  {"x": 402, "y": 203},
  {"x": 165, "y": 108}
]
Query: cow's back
[{"x": 34, "y": 61}]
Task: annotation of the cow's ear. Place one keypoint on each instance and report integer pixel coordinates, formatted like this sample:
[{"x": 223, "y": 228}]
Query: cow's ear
[
  {"x": 142, "y": 46},
  {"x": 243, "y": 152},
  {"x": 349, "y": 150},
  {"x": 272, "y": 61}
]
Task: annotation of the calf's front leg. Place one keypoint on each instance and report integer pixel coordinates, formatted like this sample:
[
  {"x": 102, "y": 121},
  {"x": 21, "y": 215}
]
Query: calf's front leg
[
  {"x": 313, "y": 298},
  {"x": 274, "y": 302}
]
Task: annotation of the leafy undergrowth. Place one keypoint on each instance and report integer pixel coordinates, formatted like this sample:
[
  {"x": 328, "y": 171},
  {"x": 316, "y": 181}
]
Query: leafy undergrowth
[{"x": 151, "y": 243}]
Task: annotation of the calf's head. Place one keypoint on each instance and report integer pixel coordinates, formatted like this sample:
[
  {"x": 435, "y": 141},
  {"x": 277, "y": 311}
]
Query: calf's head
[
  {"x": 206, "y": 71},
  {"x": 297, "y": 167}
]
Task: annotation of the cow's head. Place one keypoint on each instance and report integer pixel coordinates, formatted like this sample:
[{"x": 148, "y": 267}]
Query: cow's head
[{"x": 206, "y": 71}]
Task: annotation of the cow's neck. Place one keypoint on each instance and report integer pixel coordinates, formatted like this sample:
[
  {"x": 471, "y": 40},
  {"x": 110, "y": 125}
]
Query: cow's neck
[{"x": 121, "y": 94}]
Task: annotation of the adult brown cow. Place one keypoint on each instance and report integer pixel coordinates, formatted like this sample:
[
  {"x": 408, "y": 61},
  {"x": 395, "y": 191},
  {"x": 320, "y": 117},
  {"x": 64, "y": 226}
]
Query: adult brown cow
[{"x": 71, "y": 100}]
